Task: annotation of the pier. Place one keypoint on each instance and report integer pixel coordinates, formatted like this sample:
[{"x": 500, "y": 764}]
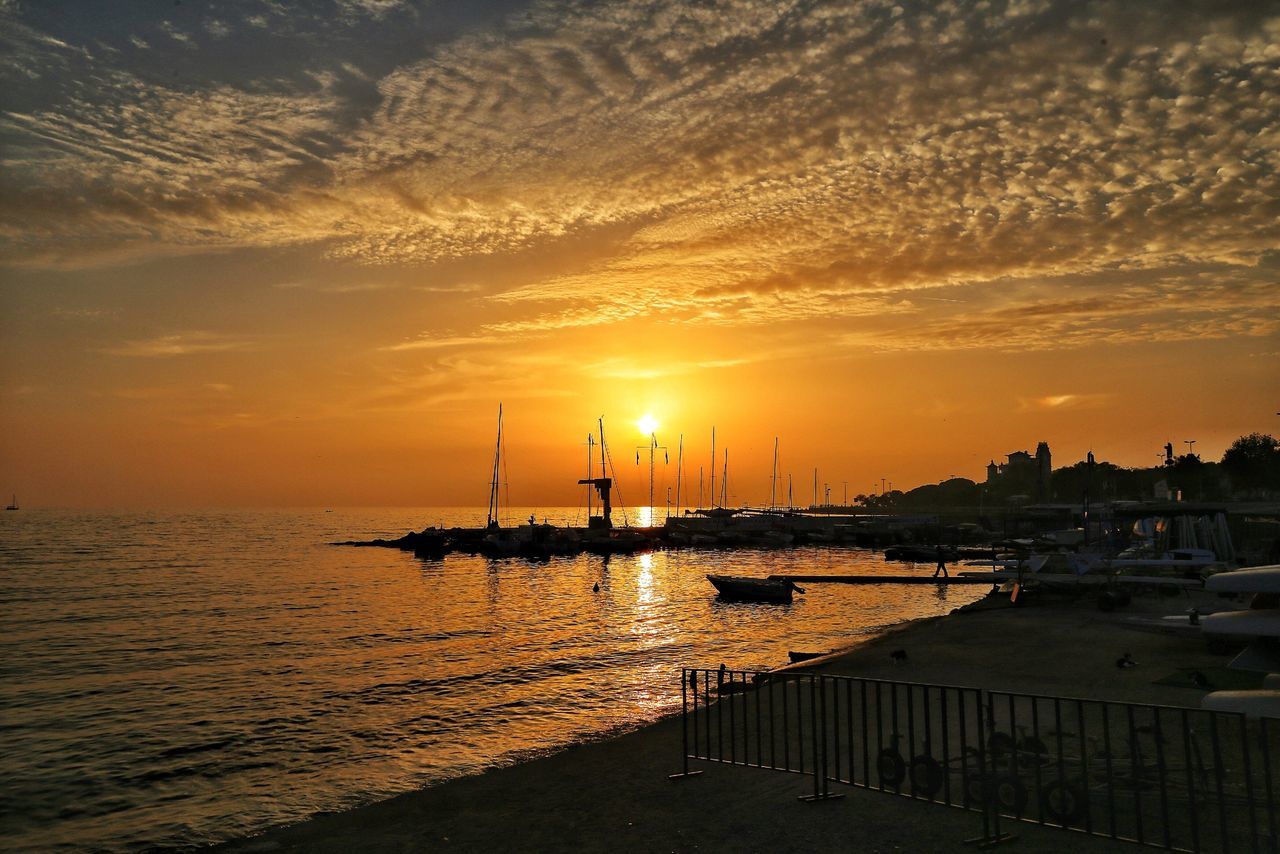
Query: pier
[{"x": 885, "y": 579}]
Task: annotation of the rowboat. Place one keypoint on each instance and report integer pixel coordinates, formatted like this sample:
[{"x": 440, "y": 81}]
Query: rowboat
[{"x": 747, "y": 589}]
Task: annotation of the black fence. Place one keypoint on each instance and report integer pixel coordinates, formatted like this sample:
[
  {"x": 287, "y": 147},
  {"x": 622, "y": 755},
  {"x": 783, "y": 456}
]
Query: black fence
[{"x": 1173, "y": 778}]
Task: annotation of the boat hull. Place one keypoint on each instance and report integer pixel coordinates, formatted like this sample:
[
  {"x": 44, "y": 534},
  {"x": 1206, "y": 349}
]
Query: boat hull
[{"x": 744, "y": 589}]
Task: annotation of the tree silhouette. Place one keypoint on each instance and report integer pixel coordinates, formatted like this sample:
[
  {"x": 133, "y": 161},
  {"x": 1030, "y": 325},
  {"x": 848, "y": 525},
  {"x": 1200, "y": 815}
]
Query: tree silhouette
[{"x": 1253, "y": 462}]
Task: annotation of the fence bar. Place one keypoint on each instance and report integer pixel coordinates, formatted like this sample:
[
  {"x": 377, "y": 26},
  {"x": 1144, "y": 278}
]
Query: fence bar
[
  {"x": 1217, "y": 773},
  {"x": 1135, "y": 771},
  {"x": 1248, "y": 782},
  {"x": 1264, "y": 734},
  {"x": 1158, "y": 734},
  {"x": 1191, "y": 782},
  {"x": 1111, "y": 777},
  {"x": 1082, "y": 741}
]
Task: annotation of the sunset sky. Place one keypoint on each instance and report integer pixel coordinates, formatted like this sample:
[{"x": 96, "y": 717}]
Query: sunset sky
[{"x": 267, "y": 253}]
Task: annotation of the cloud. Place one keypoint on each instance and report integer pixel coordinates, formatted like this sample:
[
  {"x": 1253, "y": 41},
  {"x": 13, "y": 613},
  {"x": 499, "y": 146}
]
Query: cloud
[
  {"x": 182, "y": 344},
  {"x": 443, "y": 343},
  {"x": 789, "y": 162},
  {"x": 1060, "y": 402}
]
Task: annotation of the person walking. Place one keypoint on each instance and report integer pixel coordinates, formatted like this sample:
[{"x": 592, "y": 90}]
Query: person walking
[{"x": 942, "y": 564}]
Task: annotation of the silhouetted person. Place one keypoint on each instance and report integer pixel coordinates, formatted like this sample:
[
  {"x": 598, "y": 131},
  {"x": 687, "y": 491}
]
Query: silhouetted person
[
  {"x": 942, "y": 564},
  {"x": 720, "y": 675}
]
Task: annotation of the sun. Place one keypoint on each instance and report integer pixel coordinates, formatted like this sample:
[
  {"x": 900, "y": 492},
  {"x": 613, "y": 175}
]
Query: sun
[{"x": 647, "y": 424}]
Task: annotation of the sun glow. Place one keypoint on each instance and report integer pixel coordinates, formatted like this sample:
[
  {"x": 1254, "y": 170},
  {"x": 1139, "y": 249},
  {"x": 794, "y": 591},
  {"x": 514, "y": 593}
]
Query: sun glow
[{"x": 647, "y": 424}]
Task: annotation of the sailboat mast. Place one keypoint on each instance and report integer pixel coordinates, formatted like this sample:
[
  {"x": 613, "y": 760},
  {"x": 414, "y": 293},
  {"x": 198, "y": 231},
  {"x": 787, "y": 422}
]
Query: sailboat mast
[
  {"x": 591, "y": 447},
  {"x": 713, "y": 466},
  {"x": 679, "y": 474},
  {"x": 724, "y": 481},
  {"x": 773, "y": 477},
  {"x": 653, "y": 450},
  {"x": 493, "y": 484}
]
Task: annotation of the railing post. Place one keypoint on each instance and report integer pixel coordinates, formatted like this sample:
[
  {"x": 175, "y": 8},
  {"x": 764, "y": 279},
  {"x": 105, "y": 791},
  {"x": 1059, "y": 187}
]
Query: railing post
[
  {"x": 990, "y": 794},
  {"x": 818, "y": 715},
  {"x": 684, "y": 721}
]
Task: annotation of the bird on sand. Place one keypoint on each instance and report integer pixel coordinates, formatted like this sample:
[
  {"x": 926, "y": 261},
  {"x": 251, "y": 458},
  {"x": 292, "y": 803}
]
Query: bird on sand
[{"x": 1126, "y": 661}]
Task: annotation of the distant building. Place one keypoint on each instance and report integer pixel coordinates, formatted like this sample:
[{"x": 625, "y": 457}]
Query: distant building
[
  {"x": 1044, "y": 466},
  {"x": 1023, "y": 473}
]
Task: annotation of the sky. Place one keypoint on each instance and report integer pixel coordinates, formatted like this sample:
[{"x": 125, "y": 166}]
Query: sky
[{"x": 268, "y": 253}]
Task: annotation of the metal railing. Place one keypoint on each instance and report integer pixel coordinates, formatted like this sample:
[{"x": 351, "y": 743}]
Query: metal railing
[{"x": 1174, "y": 778}]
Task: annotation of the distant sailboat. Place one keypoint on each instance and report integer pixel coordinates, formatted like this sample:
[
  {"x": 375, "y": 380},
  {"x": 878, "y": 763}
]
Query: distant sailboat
[{"x": 13, "y": 505}]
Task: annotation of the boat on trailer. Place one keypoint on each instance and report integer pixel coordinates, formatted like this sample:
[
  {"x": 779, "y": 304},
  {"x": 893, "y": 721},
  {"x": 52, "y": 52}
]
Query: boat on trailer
[{"x": 746, "y": 589}]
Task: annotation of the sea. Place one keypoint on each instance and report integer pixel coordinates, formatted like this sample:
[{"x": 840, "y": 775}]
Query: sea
[{"x": 173, "y": 679}]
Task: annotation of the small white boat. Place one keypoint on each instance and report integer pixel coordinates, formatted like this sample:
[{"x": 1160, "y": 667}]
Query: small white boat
[
  {"x": 749, "y": 589},
  {"x": 1264, "y": 703},
  {"x": 1253, "y": 623},
  {"x": 1258, "y": 579}
]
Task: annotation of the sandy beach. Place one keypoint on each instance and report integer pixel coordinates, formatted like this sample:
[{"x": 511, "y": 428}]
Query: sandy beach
[{"x": 615, "y": 795}]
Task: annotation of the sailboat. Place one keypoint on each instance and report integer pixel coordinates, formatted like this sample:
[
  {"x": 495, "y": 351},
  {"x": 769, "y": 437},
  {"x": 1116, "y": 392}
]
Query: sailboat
[
  {"x": 497, "y": 541},
  {"x": 13, "y": 505}
]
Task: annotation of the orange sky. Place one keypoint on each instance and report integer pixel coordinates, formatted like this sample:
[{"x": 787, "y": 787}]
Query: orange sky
[{"x": 299, "y": 258}]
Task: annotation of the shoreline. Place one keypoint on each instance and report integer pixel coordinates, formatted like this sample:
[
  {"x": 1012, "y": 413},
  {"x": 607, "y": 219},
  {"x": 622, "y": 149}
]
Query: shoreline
[{"x": 611, "y": 793}]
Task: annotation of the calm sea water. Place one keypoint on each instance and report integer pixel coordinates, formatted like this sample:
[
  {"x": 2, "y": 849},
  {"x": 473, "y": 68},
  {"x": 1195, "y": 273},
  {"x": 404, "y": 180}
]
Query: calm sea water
[{"x": 180, "y": 678}]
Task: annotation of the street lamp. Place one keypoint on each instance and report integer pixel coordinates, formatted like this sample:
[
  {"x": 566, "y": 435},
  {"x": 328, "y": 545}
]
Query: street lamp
[{"x": 1189, "y": 443}]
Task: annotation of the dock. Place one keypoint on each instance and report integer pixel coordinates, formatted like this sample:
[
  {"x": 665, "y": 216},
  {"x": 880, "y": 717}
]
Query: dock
[{"x": 886, "y": 579}]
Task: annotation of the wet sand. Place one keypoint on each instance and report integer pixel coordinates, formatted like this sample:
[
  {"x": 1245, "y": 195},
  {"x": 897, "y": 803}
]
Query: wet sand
[{"x": 614, "y": 795}]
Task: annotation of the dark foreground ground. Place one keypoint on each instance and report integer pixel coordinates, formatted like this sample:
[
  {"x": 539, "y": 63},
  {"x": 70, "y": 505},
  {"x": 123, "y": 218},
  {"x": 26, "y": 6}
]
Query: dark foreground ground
[{"x": 614, "y": 796}]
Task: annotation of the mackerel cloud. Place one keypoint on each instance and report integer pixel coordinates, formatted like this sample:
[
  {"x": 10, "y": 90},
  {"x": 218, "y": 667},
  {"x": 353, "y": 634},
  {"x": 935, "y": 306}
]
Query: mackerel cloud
[{"x": 747, "y": 161}]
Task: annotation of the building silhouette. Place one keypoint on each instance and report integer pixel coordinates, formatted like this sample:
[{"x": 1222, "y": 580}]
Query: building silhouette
[{"x": 1023, "y": 474}]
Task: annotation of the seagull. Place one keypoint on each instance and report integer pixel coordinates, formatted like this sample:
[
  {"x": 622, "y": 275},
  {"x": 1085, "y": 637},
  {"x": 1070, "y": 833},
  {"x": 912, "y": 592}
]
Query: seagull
[
  {"x": 899, "y": 656},
  {"x": 1126, "y": 661},
  {"x": 595, "y": 588}
]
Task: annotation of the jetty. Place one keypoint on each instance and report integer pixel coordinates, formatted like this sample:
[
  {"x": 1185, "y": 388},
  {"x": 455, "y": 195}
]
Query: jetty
[{"x": 884, "y": 579}]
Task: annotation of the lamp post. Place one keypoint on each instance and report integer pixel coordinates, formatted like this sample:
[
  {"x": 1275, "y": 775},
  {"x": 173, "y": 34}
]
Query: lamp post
[{"x": 1189, "y": 443}]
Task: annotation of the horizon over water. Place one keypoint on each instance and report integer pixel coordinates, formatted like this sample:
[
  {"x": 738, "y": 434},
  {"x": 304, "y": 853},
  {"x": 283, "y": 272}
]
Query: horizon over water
[{"x": 180, "y": 678}]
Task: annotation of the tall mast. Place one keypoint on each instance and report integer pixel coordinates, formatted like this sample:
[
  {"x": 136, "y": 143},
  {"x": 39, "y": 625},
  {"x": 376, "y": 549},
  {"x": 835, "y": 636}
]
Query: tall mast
[
  {"x": 815, "y": 486},
  {"x": 713, "y": 466},
  {"x": 699, "y": 487},
  {"x": 679, "y": 474},
  {"x": 603, "y": 473},
  {"x": 789, "y": 505},
  {"x": 773, "y": 477},
  {"x": 653, "y": 447},
  {"x": 591, "y": 446},
  {"x": 724, "y": 481},
  {"x": 493, "y": 483}
]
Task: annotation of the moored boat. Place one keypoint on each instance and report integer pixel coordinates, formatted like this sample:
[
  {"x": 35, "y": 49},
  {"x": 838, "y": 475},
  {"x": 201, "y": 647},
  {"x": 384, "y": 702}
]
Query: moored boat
[{"x": 747, "y": 589}]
